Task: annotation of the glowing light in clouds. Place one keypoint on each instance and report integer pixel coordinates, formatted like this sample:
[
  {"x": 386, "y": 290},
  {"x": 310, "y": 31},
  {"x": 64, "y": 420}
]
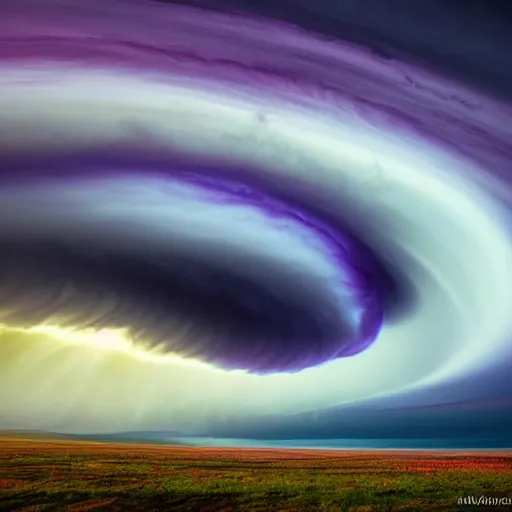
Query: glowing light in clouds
[{"x": 274, "y": 244}]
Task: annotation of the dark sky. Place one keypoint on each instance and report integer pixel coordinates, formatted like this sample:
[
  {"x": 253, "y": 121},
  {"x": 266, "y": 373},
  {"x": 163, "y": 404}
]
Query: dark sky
[{"x": 470, "y": 39}]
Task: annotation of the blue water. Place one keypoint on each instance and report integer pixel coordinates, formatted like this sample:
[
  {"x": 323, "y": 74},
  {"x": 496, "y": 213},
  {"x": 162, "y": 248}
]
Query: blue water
[{"x": 355, "y": 444}]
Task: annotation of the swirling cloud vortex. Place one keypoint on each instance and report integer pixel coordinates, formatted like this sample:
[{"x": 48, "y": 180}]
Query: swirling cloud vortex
[{"x": 250, "y": 219}]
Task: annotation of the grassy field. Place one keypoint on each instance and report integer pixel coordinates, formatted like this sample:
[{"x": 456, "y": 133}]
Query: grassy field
[{"x": 48, "y": 476}]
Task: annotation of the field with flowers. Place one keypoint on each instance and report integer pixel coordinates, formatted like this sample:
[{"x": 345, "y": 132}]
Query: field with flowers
[{"x": 43, "y": 475}]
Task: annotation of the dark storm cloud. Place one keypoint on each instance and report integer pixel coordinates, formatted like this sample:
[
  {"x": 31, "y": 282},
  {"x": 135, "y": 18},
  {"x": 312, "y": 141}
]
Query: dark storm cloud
[{"x": 261, "y": 275}]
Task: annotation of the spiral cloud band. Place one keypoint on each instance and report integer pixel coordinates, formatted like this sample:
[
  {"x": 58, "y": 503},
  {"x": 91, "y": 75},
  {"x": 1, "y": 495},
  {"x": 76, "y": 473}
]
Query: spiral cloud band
[{"x": 207, "y": 215}]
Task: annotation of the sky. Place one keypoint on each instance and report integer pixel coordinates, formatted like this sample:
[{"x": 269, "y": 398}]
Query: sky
[{"x": 283, "y": 220}]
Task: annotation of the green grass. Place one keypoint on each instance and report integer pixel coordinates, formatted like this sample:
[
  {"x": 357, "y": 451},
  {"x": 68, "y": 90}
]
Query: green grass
[{"x": 78, "y": 476}]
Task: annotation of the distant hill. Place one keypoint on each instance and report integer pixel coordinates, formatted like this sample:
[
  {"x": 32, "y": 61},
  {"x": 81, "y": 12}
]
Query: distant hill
[{"x": 149, "y": 437}]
